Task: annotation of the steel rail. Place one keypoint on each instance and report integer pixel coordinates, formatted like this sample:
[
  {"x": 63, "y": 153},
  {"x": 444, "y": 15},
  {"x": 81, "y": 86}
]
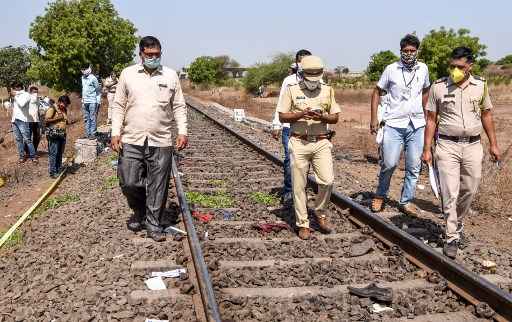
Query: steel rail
[
  {"x": 210, "y": 305},
  {"x": 465, "y": 283}
]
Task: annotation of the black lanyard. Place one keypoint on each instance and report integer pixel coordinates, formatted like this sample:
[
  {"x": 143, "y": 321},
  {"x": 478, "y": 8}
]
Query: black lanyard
[{"x": 408, "y": 85}]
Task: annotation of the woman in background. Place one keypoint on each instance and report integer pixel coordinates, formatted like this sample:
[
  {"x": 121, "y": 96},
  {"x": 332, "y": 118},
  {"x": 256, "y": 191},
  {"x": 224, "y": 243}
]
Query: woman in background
[{"x": 56, "y": 120}]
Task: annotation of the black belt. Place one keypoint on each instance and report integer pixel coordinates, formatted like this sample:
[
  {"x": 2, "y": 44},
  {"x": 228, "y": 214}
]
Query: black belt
[{"x": 460, "y": 139}]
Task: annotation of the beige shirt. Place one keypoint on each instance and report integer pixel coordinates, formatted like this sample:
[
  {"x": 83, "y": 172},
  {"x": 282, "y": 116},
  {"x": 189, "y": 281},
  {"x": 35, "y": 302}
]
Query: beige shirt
[
  {"x": 145, "y": 105},
  {"x": 459, "y": 109},
  {"x": 297, "y": 98}
]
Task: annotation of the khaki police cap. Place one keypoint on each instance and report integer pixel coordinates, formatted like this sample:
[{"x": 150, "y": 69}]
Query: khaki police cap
[{"x": 313, "y": 67}]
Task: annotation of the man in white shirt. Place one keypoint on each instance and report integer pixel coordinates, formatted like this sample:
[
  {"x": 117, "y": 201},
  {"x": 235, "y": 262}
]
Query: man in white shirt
[
  {"x": 148, "y": 99},
  {"x": 20, "y": 124},
  {"x": 33, "y": 118},
  {"x": 405, "y": 85},
  {"x": 292, "y": 79}
]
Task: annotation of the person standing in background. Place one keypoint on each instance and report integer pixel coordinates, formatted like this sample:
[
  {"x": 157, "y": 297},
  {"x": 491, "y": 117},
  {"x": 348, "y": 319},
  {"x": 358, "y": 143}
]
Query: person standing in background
[
  {"x": 110, "y": 88},
  {"x": 33, "y": 118},
  {"x": 90, "y": 91},
  {"x": 20, "y": 122},
  {"x": 56, "y": 120}
]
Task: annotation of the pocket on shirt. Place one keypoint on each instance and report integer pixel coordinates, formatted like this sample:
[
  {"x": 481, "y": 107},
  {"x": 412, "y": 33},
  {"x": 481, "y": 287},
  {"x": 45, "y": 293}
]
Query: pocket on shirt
[
  {"x": 164, "y": 95},
  {"x": 448, "y": 104},
  {"x": 475, "y": 103}
]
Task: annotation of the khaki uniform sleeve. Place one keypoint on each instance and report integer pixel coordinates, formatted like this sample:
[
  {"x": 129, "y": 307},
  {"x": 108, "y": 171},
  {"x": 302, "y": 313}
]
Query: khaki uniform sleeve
[
  {"x": 49, "y": 113},
  {"x": 335, "y": 108},
  {"x": 179, "y": 109},
  {"x": 486, "y": 103},
  {"x": 285, "y": 103},
  {"x": 118, "y": 108},
  {"x": 432, "y": 100}
]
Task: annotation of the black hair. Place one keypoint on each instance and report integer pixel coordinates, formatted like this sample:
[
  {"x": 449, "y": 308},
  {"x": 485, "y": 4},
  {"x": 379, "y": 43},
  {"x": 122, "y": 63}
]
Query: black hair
[
  {"x": 33, "y": 88},
  {"x": 149, "y": 42},
  {"x": 463, "y": 52},
  {"x": 302, "y": 52},
  {"x": 51, "y": 101},
  {"x": 411, "y": 40},
  {"x": 64, "y": 99},
  {"x": 16, "y": 85}
]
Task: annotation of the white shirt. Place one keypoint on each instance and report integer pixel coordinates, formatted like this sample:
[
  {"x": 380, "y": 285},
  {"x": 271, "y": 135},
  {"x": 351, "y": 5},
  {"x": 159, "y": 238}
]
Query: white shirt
[
  {"x": 289, "y": 80},
  {"x": 404, "y": 89},
  {"x": 33, "y": 108},
  {"x": 20, "y": 106}
]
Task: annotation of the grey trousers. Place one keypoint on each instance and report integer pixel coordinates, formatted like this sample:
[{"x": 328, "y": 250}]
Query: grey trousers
[{"x": 144, "y": 174}]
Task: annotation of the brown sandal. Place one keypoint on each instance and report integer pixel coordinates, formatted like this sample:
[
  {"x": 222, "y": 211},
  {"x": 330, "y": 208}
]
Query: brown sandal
[{"x": 377, "y": 204}]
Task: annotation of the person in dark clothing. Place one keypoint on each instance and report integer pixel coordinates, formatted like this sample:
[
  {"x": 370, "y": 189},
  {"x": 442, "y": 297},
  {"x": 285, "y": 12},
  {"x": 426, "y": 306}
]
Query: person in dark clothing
[{"x": 56, "y": 121}]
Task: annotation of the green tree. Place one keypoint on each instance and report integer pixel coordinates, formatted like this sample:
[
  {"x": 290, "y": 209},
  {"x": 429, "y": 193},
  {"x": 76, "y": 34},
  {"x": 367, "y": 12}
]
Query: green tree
[
  {"x": 437, "y": 46},
  {"x": 72, "y": 33},
  {"x": 378, "y": 63},
  {"x": 14, "y": 63},
  {"x": 203, "y": 70},
  {"x": 507, "y": 60},
  {"x": 224, "y": 61},
  {"x": 268, "y": 73}
]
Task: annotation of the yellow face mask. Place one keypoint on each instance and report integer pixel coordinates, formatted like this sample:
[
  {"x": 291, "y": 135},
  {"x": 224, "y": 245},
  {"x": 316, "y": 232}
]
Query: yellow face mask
[{"x": 457, "y": 75}]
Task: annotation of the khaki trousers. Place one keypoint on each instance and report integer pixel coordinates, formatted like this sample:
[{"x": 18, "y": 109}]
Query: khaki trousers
[
  {"x": 460, "y": 171},
  {"x": 302, "y": 155}
]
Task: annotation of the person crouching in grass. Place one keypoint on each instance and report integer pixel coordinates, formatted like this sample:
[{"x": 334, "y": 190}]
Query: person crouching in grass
[{"x": 56, "y": 120}]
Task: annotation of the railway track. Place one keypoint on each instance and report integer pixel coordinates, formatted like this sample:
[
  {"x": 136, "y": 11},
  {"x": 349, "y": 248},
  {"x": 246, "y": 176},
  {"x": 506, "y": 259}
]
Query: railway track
[{"x": 260, "y": 270}]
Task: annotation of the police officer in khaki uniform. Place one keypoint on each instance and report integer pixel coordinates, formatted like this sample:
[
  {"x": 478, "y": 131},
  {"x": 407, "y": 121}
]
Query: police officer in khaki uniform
[
  {"x": 309, "y": 106},
  {"x": 461, "y": 106}
]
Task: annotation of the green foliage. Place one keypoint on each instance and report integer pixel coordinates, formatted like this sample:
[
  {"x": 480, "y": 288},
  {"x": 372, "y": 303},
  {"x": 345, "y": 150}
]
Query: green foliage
[
  {"x": 264, "y": 198},
  {"x": 207, "y": 70},
  {"x": 111, "y": 182},
  {"x": 437, "y": 46},
  {"x": 507, "y": 60},
  {"x": 204, "y": 70},
  {"x": 217, "y": 200},
  {"x": 74, "y": 33},
  {"x": 378, "y": 63},
  {"x": 13, "y": 241},
  {"x": 224, "y": 61},
  {"x": 268, "y": 73},
  {"x": 56, "y": 202},
  {"x": 14, "y": 63}
]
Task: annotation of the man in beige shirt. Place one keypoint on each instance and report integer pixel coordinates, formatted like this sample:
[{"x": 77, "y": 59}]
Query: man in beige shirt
[
  {"x": 309, "y": 106},
  {"x": 148, "y": 97},
  {"x": 459, "y": 108}
]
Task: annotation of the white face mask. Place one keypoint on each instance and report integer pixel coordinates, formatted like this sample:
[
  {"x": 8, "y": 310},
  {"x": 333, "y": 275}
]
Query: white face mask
[
  {"x": 33, "y": 97},
  {"x": 87, "y": 71},
  {"x": 311, "y": 85}
]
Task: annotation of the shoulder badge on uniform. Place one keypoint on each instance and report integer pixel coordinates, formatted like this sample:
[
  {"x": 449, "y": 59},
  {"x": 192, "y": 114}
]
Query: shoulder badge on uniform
[{"x": 441, "y": 80}]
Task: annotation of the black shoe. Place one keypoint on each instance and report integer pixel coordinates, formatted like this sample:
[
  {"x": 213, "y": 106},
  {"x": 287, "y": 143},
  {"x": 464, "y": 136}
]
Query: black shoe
[
  {"x": 450, "y": 249},
  {"x": 134, "y": 223},
  {"x": 156, "y": 235},
  {"x": 372, "y": 291}
]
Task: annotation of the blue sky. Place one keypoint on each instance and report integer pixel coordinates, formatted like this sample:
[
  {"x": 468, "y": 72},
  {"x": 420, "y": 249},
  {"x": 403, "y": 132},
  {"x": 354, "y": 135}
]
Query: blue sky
[{"x": 341, "y": 32}]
